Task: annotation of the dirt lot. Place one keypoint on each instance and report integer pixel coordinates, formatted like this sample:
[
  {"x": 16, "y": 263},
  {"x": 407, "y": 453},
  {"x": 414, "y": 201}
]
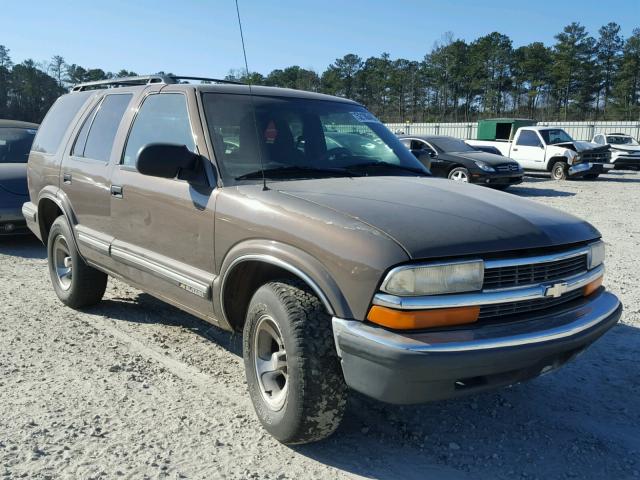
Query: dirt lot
[{"x": 136, "y": 389}]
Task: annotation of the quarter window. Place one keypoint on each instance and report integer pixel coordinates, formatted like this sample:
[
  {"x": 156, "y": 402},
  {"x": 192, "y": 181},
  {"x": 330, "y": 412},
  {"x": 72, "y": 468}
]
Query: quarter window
[
  {"x": 104, "y": 127},
  {"x": 528, "y": 138},
  {"x": 55, "y": 124},
  {"x": 162, "y": 118}
]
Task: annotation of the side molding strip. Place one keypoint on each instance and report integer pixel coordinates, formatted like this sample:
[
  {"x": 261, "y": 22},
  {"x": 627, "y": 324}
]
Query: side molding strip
[
  {"x": 189, "y": 284},
  {"x": 93, "y": 243}
]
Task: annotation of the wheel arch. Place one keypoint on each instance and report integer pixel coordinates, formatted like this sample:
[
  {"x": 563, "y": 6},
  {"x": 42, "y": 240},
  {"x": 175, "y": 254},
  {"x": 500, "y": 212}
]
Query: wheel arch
[
  {"x": 51, "y": 205},
  {"x": 554, "y": 160},
  {"x": 248, "y": 266}
]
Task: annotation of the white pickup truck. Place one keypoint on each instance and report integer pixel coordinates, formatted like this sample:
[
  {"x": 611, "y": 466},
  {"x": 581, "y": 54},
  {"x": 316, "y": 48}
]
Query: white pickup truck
[{"x": 551, "y": 149}]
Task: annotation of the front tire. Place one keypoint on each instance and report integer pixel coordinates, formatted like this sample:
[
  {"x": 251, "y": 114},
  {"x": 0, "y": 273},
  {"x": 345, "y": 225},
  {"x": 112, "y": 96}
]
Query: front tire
[
  {"x": 77, "y": 284},
  {"x": 559, "y": 171},
  {"x": 293, "y": 371},
  {"x": 459, "y": 174}
]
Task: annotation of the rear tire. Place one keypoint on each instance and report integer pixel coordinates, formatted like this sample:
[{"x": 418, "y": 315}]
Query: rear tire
[
  {"x": 293, "y": 372},
  {"x": 559, "y": 171},
  {"x": 77, "y": 284},
  {"x": 591, "y": 176}
]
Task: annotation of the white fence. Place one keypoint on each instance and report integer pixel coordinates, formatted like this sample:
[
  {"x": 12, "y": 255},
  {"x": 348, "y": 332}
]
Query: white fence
[{"x": 578, "y": 130}]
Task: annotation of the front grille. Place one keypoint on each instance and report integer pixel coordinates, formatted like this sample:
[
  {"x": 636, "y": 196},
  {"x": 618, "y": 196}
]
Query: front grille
[
  {"x": 516, "y": 308},
  {"x": 596, "y": 157},
  {"x": 508, "y": 167},
  {"x": 519, "y": 275}
]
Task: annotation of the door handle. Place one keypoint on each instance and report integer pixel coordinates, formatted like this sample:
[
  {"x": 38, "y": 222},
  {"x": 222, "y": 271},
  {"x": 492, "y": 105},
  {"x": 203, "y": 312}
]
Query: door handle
[
  {"x": 515, "y": 149},
  {"x": 116, "y": 191},
  {"x": 66, "y": 178}
]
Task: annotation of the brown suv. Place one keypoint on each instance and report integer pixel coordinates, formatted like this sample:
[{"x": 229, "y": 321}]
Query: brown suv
[{"x": 299, "y": 220}]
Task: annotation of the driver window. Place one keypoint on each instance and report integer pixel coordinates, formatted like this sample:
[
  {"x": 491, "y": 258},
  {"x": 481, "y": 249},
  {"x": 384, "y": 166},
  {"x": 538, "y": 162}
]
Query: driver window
[
  {"x": 418, "y": 145},
  {"x": 162, "y": 118}
]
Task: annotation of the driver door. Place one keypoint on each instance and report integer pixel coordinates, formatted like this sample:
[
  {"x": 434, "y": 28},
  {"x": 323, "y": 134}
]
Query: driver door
[
  {"x": 529, "y": 150},
  {"x": 163, "y": 227}
]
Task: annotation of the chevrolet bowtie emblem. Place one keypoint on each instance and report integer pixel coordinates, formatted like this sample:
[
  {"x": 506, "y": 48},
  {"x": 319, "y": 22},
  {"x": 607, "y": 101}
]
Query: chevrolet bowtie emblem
[{"x": 556, "y": 290}]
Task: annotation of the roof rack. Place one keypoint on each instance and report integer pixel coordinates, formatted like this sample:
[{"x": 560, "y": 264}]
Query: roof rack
[{"x": 144, "y": 80}]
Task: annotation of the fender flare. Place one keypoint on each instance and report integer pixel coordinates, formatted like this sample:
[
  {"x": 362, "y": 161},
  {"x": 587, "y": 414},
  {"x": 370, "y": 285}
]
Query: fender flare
[
  {"x": 55, "y": 195},
  {"x": 296, "y": 261}
]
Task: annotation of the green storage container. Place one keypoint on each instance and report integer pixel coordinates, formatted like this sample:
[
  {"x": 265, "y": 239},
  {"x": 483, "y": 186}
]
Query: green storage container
[{"x": 501, "y": 128}]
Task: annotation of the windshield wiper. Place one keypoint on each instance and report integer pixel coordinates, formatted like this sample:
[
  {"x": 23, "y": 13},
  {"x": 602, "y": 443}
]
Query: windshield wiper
[
  {"x": 391, "y": 166},
  {"x": 297, "y": 171}
]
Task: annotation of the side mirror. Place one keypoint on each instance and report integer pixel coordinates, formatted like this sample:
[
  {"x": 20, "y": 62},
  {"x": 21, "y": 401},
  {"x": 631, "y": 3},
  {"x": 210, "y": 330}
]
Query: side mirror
[
  {"x": 540, "y": 145},
  {"x": 165, "y": 160}
]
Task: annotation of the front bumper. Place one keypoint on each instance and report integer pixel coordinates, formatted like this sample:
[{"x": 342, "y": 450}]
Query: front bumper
[
  {"x": 11, "y": 220},
  {"x": 487, "y": 178},
  {"x": 626, "y": 162},
  {"x": 581, "y": 169},
  {"x": 408, "y": 368}
]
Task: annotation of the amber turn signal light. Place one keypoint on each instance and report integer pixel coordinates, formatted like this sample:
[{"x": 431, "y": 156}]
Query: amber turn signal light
[
  {"x": 592, "y": 286},
  {"x": 415, "y": 319}
]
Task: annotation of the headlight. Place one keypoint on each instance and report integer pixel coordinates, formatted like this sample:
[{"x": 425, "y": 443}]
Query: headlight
[
  {"x": 596, "y": 254},
  {"x": 466, "y": 276},
  {"x": 484, "y": 166}
]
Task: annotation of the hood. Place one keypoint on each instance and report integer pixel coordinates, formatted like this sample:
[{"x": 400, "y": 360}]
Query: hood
[
  {"x": 581, "y": 146},
  {"x": 432, "y": 217},
  {"x": 13, "y": 178},
  {"x": 632, "y": 149},
  {"x": 486, "y": 157}
]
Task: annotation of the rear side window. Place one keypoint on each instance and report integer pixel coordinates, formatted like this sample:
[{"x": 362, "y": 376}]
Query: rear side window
[
  {"x": 57, "y": 121},
  {"x": 15, "y": 144},
  {"x": 81, "y": 139},
  {"x": 163, "y": 118},
  {"x": 104, "y": 127},
  {"x": 528, "y": 138}
]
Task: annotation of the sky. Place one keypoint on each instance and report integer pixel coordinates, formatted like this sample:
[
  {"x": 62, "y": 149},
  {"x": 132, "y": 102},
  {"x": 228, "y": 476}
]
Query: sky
[{"x": 201, "y": 37}]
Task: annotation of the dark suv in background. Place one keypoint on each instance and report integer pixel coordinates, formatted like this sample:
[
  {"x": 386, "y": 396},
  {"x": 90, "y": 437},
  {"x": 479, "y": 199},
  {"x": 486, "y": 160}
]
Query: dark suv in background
[{"x": 301, "y": 221}]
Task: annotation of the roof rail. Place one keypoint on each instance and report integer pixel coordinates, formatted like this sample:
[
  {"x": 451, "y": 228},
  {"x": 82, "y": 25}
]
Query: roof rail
[
  {"x": 144, "y": 80},
  {"x": 206, "y": 79}
]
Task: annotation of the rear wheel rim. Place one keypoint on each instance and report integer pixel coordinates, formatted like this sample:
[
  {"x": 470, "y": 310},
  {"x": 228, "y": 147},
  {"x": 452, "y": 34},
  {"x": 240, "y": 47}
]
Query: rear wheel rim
[
  {"x": 62, "y": 262},
  {"x": 270, "y": 360},
  {"x": 459, "y": 176}
]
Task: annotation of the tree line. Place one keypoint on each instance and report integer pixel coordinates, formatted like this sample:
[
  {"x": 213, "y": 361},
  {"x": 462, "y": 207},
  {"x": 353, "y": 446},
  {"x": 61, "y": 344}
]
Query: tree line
[{"x": 578, "y": 77}]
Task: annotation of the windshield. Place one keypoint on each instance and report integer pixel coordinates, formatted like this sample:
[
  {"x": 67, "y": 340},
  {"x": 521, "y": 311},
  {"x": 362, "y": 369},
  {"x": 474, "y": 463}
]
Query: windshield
[
  {"x": 15, "y": 144},
  {"x": 450, "y": 144},
  {"x": 621, "y": 140},
  {"x": 301, "y": 138},
  {"x": 552, "y": 136}
]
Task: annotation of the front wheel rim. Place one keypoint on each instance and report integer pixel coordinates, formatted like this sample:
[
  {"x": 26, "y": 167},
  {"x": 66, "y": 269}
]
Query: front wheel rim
[
  {"x": 62, "y": 262},
  {"x": 557, "y": 172},
  {"x": 270, "y": 361},
  {"x": 459, "y": 176}
]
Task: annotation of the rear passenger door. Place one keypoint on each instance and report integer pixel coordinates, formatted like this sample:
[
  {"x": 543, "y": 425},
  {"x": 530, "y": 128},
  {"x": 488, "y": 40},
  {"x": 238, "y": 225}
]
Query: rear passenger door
[
  {"x": 86, "y": 172},
  {"x": 163, "y": 227}
]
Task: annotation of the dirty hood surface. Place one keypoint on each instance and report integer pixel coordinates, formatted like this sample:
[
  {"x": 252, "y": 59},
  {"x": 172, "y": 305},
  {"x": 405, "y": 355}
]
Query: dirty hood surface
[{"x": 432, "y": 217}]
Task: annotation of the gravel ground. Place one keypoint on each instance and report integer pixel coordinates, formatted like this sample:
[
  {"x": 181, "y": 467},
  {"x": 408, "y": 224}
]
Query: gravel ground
[{"x": 134, "y": 388}]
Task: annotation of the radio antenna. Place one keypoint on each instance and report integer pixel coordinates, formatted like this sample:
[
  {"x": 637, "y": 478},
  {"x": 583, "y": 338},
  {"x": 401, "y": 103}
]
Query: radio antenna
[{"x": 253, "y": 105}]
